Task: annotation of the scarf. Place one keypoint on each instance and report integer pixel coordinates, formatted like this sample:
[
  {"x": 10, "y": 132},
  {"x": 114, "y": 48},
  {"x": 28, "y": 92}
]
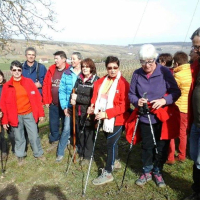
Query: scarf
[{"x": 108, "y": 124}]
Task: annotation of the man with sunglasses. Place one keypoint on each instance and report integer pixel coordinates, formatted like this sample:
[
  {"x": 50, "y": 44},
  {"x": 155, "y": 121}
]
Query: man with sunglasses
[
  {"x": 21, "y": 104},
  {"x": 194, "y": 117}
]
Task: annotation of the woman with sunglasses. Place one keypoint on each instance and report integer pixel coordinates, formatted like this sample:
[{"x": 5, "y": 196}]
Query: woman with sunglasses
[
  {"x": 110, "y": 104},
  {"x": 21, "y": 104},
  {"x": 81, "y": 98},
  {"x": 161, "y": 91}
]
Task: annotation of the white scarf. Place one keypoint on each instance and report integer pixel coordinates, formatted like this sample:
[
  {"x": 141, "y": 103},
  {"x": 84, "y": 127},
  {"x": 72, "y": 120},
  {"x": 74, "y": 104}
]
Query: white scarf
[{"x": 108, "y": 124}]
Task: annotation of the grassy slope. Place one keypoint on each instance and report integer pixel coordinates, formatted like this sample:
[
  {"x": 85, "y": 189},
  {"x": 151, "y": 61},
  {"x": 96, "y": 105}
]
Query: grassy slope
[{"x": 48, "y": 180}]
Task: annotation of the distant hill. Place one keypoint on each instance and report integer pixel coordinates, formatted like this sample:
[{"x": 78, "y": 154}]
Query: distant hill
[{"x": 46, "y": 49}]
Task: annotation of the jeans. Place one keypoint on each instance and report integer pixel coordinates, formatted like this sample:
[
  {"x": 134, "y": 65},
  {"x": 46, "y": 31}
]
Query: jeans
[
  {"x": 55, "y": 114},
  {"x": 112, "y": 147},
  {"x": 195, "y": 145},
  {"x": 64, "y": 136}
]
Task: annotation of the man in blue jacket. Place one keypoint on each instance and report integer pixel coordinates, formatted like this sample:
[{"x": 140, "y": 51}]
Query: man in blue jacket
[{"x": 32, "y": 69}]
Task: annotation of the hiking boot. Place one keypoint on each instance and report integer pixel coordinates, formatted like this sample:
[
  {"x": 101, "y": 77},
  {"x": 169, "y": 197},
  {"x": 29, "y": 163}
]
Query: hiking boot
[
  {"x": 194, "y": 196},
  {"x": 53, "y": 145},
  {"x": 170, "y": 162},
  {"x": 144, "y": 178},
  {"x": 20, "y": 161},
  {"x": 117, "y": 164},
  {"x": 159, "y": 180},
  {"x": 105, "y": 177},
  {"x": 59, "y": 158}
]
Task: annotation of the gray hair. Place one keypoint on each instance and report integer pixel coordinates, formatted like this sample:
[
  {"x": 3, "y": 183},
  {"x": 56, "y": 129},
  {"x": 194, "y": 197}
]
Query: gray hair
[
  {"x": 147, "y": 51},
  {"x": 196, "y": 33},
  {"x": 78, "y": 54},
  {"x": 30, "y": 49}
]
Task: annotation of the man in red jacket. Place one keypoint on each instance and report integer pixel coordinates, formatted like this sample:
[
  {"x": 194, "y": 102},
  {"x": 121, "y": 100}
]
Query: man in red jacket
[
  {"x": 50, "y": 95},
  {"x": 21, "y": 104},
  {"x": 194, "y": 117}
]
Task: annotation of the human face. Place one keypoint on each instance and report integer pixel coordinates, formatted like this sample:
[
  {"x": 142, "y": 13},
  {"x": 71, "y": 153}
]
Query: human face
[
  {"x": 16, "y": 73},
  {"x": 112, "y": 69},
  {"x": 148, "y": 65},
  {"x": 60, "y": 62},
  {"x": 85, "y": 70},
  {"x": 196, "y": 44},
  {"x": 30, "y": 57},
  {"x": 1, "y": 79},
  {"x": 193, "y": 55},
  {"x": 75, "y": 61}
]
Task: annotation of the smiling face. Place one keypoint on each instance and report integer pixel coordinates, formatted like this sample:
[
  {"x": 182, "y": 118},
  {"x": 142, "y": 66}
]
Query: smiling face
[
  {"x": 148, "y": 65},
  {"x": 112, "y": 69},
  {"x": 85, "y": 70},
  {"x": 75, "y": 62},
  {"x": 30, "y": 57},
  {"x": 16, "y": 73}
]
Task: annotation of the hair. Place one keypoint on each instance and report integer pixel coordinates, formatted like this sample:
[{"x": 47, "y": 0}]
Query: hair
[
  {"x": 15, "y": 63},
  {"x": 30, "y": 49},
  {"x": 167, "y": 58},
  {"x": 147, "y": 51},
  {"x": 112, "y": 59},
  {"x": 78, "y": 54},
  {"x": 196, "y": 33},
  {"x": 62, "y": 54},
  {"x": 180, "y": 57},
  {"x": 4, "y": 80},
  {"x": 89, "y": 62}
]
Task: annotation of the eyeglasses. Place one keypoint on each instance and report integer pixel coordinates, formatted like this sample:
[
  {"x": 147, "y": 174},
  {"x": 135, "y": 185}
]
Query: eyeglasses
[
  {"x": 149, "y": 62},
  {"x": 85, "y": 66},
  {"x": 109, "y": 68},
  {"x": 195, "y": 48},
  {"x": 15, "y": 70}
]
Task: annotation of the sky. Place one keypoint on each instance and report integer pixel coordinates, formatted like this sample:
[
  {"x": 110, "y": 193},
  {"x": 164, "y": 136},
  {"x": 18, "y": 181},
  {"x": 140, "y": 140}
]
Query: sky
[{"x": 123, "y": 22}]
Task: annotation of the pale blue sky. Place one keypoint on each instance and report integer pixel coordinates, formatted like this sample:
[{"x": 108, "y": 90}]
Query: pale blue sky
[{"x": 116, "y": 21}]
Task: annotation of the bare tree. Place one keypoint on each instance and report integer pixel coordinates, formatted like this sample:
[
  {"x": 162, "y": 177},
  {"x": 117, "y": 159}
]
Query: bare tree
[{"x": 27, "y": 18}]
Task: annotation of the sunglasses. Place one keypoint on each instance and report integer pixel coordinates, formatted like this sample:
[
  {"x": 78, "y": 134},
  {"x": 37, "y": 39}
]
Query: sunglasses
[
  {"x": 85, "y": 66},
  {"x": 149, "y": 62},
  {"x": 15, "y": 70},
  {"x": 109, "y": 68},
  {"x": 195, "y": 48}
]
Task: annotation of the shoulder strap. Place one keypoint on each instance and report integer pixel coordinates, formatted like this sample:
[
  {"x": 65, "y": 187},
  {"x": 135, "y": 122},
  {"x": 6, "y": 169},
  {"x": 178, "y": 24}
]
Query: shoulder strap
[{"x": 37, "y": 71}]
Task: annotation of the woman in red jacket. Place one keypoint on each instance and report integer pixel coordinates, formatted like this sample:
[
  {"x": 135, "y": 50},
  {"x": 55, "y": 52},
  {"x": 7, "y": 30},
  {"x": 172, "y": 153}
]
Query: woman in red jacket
[
  {"x": 21, "y": 104},
  {"x": 110, "y": 104}
]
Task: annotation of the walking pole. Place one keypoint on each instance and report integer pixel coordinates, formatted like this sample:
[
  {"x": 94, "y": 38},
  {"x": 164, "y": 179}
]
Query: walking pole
[
  {"x": 97, "y": 131},
  {"x": 152, "y": 132},
  {"x": 74, "y": 129},
  {"x": 131, "y": 146}
]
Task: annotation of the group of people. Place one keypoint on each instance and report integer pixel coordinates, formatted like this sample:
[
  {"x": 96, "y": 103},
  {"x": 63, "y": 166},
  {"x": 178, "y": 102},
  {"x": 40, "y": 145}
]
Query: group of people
[{"x": 164, "y": 92}]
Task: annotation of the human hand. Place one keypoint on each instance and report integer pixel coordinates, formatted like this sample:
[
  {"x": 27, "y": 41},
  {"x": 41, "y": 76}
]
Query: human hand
[
  {"x": 47, "y": 105},
  {"x": 67, "y": 112},
  {"x": 100, "y": 115},
  {"x": 5, "y": 126},
  {"x": 38, "y": 85},
  {"x": 74, "y": 96},
  {"x": 41, "y": 119},
  {"x": 142, "y": 101},
  {"x": 90, "y": 109},
  {"x": 73, "y": 102},
  {"x": 158, "y": 103},
  {"x": 1, "y": 114}
]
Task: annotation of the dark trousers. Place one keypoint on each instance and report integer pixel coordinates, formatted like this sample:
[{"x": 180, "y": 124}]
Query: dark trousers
[
  {"x": 112, "y": 147},
  {"x": 85, "y": 140},
  {"x": 196, "y": 179},
  {"x": 55, "y": 114},
  {"x": 3, "y": 143},
  {"x": 151, "y": 160}
]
